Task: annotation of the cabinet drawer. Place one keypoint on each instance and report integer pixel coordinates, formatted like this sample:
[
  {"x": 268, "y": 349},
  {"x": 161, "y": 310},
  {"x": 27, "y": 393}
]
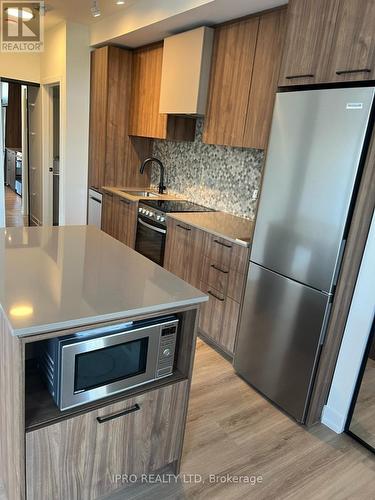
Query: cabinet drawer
[
  {"x": 226, "y": 254},
  {"x": 226, "y": 281},
  {"x": 77, "y": 458},
  {"x": 215, "y": 276}
]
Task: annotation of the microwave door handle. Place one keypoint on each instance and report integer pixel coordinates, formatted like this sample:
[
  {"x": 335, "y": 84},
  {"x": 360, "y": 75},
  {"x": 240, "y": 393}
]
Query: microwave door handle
[{"x": 153, "y": 228}]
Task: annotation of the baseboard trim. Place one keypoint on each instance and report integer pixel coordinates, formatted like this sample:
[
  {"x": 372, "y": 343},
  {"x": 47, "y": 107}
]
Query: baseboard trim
[{"x": 334, "y": 420}]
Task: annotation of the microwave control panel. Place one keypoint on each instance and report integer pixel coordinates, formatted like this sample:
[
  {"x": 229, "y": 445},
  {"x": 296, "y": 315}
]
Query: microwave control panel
[{"x": 167, "y": 347}]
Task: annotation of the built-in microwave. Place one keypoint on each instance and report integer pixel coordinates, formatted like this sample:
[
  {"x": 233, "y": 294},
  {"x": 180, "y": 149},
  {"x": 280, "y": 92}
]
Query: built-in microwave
[{"x": 87, "y": 366}]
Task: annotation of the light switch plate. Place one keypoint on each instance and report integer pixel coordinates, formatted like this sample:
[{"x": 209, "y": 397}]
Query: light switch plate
[{"x": 255, "y": 194}]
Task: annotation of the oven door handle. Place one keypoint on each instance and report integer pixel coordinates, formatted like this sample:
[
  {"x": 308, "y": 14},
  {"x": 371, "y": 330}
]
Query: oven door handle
[{"x": 153, "y": 228}]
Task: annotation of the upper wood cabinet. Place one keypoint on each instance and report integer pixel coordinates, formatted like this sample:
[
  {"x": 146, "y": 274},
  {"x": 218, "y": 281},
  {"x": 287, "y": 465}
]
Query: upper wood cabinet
[
  {"x": 329, "y": 41},
  {"x": 232, "y": 69},
  {"x": 114, "y": 158},
  {"x": 145, "y": 119},
  {"x": 244, "y": 74},
  {"x": 310, "y": 27},
  {"x": 353, "y": 50},
  {"x": 267, "y": 61}
]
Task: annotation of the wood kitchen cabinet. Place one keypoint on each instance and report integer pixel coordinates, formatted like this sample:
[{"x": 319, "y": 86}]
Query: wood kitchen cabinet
[
  {"x": 329, "y": 41},
  {"x": 216, "y": 266},
  {"x": 353, "y": 49},
  {"x": 125, "y": 220},
  {"x": 244, "y": 75},
  {"x": 145, "y": 119},
  {"x": 108, "y": 220},
  {"x": 90, "y": 450},
  {"x": 183, "y": 251},
  {"x": 114, "y": 157},
  {"x": 119, "y": 218}
]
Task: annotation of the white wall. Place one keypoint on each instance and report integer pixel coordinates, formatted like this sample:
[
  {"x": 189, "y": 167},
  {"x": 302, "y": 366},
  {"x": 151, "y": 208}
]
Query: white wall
[
  {"x": 66, "y": 61},
  {"x": 75, "y": 169},
  {"x": 24, "y": 67},
  {"x": 355, "y": 339}
]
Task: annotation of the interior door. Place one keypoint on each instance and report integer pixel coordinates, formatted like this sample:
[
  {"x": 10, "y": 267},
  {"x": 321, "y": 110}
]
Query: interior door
[
  {"x": 279, "y": 337},
  {"x": 35, "y": 156}
]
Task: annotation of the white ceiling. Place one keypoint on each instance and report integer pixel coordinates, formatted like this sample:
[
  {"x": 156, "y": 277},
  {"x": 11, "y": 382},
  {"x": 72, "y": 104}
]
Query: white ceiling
[{"x": 79, "y": 11}]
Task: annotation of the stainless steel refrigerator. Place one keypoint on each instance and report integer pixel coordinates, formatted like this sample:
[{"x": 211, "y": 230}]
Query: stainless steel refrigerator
[{"x": 316, "y": 146}]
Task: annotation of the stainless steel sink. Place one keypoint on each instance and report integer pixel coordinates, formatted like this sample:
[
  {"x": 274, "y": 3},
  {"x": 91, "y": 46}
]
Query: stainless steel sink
[{"x": 143, "y": 194}]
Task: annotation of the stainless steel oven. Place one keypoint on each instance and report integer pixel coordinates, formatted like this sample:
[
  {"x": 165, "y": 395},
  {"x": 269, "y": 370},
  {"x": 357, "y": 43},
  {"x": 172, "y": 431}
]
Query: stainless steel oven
[
  {"x": 151, "y": 234},
  {"x": 94, "y": 364}
]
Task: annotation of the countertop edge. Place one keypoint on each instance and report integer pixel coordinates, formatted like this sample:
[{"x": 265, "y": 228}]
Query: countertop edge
[
  {"x": 64, "y": 325},
  {"x": 219, "y": 234},
  {"x": 133, "y": 198}
]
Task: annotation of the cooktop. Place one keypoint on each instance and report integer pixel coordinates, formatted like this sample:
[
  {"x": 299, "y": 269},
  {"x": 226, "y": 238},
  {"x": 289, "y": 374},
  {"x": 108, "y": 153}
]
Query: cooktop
[{"x": 169, "y": 206}]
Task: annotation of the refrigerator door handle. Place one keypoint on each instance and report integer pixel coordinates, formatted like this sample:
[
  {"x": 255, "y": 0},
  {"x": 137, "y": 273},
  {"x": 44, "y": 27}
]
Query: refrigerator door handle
[{"x": 325, "y": 322}]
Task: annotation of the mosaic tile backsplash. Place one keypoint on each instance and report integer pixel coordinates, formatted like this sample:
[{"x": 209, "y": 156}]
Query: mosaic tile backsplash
[{"x": 219, "y": 177}]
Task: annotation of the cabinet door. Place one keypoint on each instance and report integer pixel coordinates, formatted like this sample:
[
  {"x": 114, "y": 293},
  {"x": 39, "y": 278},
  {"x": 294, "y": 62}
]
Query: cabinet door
[
  {"x": 108, "y": 221},
  {"x": 98, "y": 117},
  {"x": 146, "y": 121},
  {"x": 184, "y": 251},
  {"x": 353, "y": 49},
  {"x": 231, "y": 74},
  {"x": 212, "y": 314},
  {"x": 125, "y": 221},
  {"x": 265, "y": 77},
  {"x": 77, "y": 459},
  {"x": 308, "y": 41}
]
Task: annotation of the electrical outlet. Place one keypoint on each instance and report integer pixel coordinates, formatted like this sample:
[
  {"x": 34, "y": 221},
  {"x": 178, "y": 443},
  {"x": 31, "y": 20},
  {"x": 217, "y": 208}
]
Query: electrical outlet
[{"x": 255, "y": 194}]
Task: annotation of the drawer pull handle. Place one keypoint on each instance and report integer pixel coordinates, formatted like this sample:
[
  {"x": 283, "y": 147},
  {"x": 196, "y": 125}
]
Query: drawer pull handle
[
  {"x": 182, "y": 227},
  {"x": 218, "y": 269},
  {"x": 222, "y": 244},
  {"x": 132, "y": 409},
  {"x": 126, "y": 202},
  {"x": 109, "y": 194},
  {"x": 215, "y": 296},
  {"x": 292, "y": 77},
  {"x": 349, "y": 71}
]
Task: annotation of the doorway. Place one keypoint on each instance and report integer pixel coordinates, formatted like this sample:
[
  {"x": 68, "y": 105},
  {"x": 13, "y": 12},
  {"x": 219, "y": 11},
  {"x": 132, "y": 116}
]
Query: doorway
[{"x": 21, "y": 153}]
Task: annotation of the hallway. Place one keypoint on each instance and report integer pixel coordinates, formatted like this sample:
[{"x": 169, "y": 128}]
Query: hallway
[{"x": 13, "y": 210}]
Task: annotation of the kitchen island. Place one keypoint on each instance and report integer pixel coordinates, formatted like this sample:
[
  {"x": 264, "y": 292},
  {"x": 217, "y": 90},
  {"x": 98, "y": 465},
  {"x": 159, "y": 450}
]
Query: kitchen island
[{"x": 65, "y": 283}]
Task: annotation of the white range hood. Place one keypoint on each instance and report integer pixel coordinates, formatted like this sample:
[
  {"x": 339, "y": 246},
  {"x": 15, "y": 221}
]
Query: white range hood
[{"x": 186, "y": 72}]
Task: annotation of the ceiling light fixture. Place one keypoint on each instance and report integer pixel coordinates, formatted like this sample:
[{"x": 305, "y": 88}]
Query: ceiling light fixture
[
  {"x": 19, "y": 13},
  {"x": 95, "y": 9},
  {"x": 120, "y": 2}
]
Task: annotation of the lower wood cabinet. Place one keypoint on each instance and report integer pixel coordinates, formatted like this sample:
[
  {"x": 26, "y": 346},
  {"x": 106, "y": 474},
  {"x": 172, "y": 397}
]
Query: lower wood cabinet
[
  {"x": 218, "y": 267},
  {"x": 78, "y": 458},
  {"x": 183, "y": 252},
  {"x": 119, "y": 218}
]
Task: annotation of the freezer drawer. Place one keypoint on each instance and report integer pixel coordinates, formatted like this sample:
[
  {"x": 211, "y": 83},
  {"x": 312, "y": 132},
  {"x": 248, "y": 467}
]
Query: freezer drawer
[
  {"x": 278, "y": 340},
  {"x": 315, "y": 147}
]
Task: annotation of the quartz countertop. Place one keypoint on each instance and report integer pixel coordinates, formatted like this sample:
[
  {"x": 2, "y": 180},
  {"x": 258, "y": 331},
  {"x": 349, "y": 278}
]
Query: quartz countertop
[
  {"x": 119, "y": 191},
  {"x": 53, "y": 278},
  {"x": 221, "y": 224}
]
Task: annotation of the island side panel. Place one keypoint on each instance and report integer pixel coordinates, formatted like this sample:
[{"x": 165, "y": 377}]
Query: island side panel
[{"x": 12, "y": 426}]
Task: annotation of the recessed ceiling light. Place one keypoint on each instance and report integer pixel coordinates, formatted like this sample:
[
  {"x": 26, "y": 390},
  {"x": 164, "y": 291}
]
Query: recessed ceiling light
[
  {"x": 120, "y": 2},
  {"x": 17, "y": 13}
]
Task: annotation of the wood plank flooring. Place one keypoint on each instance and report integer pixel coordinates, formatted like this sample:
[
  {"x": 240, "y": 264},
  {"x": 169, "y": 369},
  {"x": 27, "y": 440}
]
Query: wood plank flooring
[
  {"x": 13, "y": 209},
  {"x": 233, "y": 430},
  {"x": 363, "y": 420}
]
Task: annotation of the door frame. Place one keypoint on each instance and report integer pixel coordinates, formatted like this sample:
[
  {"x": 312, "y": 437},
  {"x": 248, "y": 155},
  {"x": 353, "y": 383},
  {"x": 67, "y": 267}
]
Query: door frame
[
  {"x": 2, "y": 159},
  {"x": 47, "y": 147}
]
